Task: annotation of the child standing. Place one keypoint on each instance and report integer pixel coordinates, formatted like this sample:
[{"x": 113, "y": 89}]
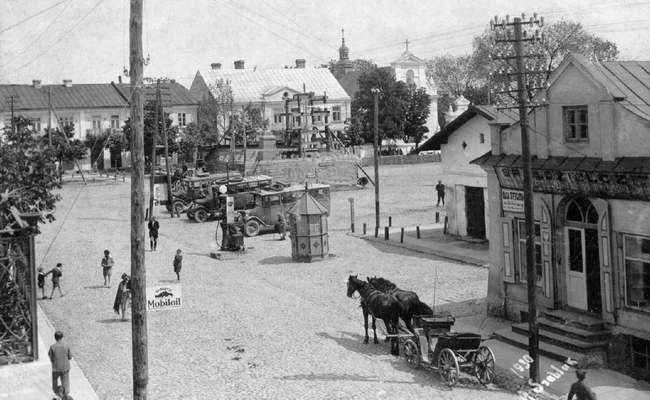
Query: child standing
[
  {"x": 41, "y": 281},
  {"x": 178, "y": 263},
  {"x": 56, "y": 277}
]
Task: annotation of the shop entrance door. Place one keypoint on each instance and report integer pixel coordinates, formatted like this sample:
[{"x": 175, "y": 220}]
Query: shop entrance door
[
  {"x": 475, "y": 212},
  {"x": 576, "y": 268}
]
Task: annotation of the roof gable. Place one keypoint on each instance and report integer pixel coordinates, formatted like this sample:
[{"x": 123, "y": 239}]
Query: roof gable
[{"x": 408, "y": 58}]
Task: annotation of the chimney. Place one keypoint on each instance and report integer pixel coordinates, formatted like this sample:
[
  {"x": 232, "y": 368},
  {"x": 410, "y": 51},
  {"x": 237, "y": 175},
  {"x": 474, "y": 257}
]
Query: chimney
[
  {"x": 239, "y": 64},
  {"x": 300, "y": 63},
  {"x": 215, "y": 65},
  {"x": 36, "y": 83},
  {"x": 119, "y": 78},
  {"x": 67, "y": 82}
]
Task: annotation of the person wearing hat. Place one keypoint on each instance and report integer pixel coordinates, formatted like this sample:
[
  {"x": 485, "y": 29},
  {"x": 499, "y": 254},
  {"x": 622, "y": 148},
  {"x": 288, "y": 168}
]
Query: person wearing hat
[
  {"x": 107, "y": 266},
  {"x": 579, "y": 389},
  {"x": 41, "y": 281},
  {"x": 60, "y": 356},
  {"x": 153, "y": 233}
]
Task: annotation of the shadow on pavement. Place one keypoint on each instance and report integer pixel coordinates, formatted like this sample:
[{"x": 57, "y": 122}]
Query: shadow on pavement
[
  {"x": 354, "y": 342},
  {"x": 275, "y": 260},
  {"x": 337, "y": 377},
  {"x": 112, "y": 320},
  {"x": 94, "y": 287}
]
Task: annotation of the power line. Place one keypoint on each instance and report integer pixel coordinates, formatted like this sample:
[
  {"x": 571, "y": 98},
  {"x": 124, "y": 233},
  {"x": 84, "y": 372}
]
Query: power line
[
  {"x": 47, "y": 28},
  {"x": 60, "y": 37},
  {"x": 31, "y": 16}
]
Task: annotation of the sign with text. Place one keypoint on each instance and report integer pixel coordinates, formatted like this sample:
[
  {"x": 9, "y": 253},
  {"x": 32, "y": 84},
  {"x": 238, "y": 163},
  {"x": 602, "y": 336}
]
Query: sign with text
[
  {"x": 166, "y": 297},
  {"x": 512, "y": 200}
]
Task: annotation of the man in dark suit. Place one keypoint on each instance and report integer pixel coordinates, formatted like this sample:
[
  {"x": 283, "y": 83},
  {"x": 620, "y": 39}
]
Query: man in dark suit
[
  {"x": 153, "y": 233},
  {"x": 60, "y": 356}
]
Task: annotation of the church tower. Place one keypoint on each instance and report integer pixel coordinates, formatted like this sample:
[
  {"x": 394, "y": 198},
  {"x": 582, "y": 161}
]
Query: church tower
[
  {"x": 412, "y": 70},
  {"x": 343, "y": 65}
]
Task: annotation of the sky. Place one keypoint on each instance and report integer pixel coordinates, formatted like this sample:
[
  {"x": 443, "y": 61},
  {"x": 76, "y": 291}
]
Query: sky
[{"x": 87, "y": 41}]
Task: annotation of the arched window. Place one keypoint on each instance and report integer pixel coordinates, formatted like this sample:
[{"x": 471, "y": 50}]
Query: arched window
[
  {"x": 581, "y": 210},
  {"x": 410, "y": 77}
]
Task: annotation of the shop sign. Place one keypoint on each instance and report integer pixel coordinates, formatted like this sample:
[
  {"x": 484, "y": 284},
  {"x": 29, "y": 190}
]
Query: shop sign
[
  {"x": 166, "y": 297},
  {"x": 594, "y": 184},
  {"x": 512, "y": 200}
]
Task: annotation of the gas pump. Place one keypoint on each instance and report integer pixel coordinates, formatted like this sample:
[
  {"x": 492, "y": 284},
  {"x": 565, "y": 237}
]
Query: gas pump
[{"x": 232, "y": 238}]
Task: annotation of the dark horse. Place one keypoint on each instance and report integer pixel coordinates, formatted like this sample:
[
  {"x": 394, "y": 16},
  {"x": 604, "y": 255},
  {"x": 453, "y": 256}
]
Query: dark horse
[
  {"x": 379, "y": 305},
  {"x": 409, "y": 302}
]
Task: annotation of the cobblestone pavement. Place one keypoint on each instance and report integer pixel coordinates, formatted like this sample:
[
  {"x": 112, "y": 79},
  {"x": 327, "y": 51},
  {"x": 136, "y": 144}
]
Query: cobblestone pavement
[{"x": 254, "y": 325}]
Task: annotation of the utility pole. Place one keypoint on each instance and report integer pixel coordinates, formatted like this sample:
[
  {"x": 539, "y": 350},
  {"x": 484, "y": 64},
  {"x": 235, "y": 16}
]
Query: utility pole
[
  {"x": 138, "y": 274},
  {"x": 524, "y": 105},
  {"x": 169, "y": 176},
  {"x": 153, "y": 148},
  {"x": 49, "y": 115},
  {"x": 12, "y": 100},
  {"x": 375, "y": 93}
]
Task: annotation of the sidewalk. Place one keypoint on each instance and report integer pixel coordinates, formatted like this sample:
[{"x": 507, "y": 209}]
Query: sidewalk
[
  {"x": 433, "y": 241},
  {"x": 471, "y": 317},
  {"x": 33, "y": 381}
]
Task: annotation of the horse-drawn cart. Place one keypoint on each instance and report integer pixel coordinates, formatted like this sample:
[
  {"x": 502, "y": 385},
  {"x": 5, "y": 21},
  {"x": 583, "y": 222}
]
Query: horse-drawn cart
[{"x": 434, "y": 346}]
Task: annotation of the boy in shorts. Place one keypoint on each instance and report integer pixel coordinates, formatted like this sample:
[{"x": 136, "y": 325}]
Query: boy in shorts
[{"x": 107, "y": 266}]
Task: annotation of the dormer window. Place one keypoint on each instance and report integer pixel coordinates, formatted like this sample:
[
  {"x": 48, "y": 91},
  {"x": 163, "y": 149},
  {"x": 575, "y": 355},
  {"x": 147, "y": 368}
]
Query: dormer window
[
  {"x": 481, "y": 137},
  {"x": 576, "y": 126}
]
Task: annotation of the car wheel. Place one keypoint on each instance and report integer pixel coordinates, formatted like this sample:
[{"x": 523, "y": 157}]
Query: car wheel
[
  {"x": 178, "y": 207},
  {"x": 200, "y": 215},
  {"x": 252, "y": 228}
]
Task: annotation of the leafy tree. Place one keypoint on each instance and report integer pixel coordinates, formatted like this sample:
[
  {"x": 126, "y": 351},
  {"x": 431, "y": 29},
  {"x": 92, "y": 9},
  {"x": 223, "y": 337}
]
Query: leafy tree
[
  {"x": 417, "y": 113},
  {"x": 29, "y": 174},
  {"x": 358, "y": 64},
  {"x": 65, "y": 147},
  {"x": 393, "y": 103}
]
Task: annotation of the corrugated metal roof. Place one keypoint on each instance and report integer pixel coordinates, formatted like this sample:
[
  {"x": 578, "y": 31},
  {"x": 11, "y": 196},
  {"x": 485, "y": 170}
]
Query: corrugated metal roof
[
  {"x": 249, "y": 85},
  {"x": 307, "y": 205},
  {"x": 27, "y": 97}
]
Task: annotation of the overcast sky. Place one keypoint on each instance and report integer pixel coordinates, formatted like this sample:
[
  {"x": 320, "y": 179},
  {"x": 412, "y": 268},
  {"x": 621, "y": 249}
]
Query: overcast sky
[{"x": 88, "y": 40}]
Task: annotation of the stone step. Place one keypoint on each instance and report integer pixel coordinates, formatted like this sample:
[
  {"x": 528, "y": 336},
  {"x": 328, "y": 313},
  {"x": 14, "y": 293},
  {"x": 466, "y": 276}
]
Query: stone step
[
  {"x": 545, "y": 349},
  {"x": 572, "y": 331},
  {"x": 561, "y": 340},
  {"x": 575, "y": 319}
]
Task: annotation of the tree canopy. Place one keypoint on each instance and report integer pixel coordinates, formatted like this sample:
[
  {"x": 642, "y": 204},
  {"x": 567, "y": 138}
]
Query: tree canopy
[
  {"x": 400, "y": 108},
  {"x": 29, "y": 174}
]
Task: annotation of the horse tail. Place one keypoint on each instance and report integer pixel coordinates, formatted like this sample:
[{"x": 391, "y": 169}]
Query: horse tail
[{"x": 422, "y": 309}]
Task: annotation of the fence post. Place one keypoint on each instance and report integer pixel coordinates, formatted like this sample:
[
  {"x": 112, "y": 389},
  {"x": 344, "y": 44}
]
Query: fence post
[
  {"x": 401, "y": 235},
  {"x": 437, "y": 217},
  {"x": 444, "y": 230},
  {"x": 390, "y": 220},
  {"x": 386, "y": 233},
  {"x": 376, "y": 231},
  {"x": 351, "y": 200},
  {"x": 364, "y": 228},
  {"x": 417, "y": 229}
]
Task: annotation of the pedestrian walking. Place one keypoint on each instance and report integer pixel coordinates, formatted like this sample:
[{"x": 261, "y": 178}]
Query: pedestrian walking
[
  {"x": 440, "y": 188},
  {"x": 60, "y": 356},
  {"x": 153, "y": 233},
  {"x": 281, "y": 227},
  {"x": 56, "y": 278},
  {"x": 579, "y": 389},
  {"x": 107, "y": 267},
  {"x": 41, "y": 281},
  {"x": 178, "y": 263},
  {"x": 123, "y": 296}
]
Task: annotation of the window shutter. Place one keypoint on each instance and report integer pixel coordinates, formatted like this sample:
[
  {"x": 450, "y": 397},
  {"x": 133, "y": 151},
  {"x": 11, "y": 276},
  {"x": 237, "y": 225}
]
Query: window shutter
[
  {"x": 547, "y": 250},
  {"x": 508, "y": 250}
]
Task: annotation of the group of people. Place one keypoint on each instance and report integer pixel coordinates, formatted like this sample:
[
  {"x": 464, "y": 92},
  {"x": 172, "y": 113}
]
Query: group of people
[{"x": 57, "y": 273}]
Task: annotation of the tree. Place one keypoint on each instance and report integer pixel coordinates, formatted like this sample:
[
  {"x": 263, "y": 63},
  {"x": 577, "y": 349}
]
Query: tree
[
  {"x": 65, "y": 147},
  {"x": 417, "y": 113},
  {"x": 28, "y": 170},
  {"x": 558, "y": 40},
  {"x": 359, "y": 64},
  {"x": 392, "y": 104}
]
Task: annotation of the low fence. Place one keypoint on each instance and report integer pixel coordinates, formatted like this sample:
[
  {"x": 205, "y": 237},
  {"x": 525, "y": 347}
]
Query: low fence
[{"x": 398, "y": 160}]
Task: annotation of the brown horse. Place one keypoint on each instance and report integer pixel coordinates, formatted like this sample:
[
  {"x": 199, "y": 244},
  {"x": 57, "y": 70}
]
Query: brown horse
[
  {"x": 379, "y": 305},
  {"x": 409, "y": 301}
]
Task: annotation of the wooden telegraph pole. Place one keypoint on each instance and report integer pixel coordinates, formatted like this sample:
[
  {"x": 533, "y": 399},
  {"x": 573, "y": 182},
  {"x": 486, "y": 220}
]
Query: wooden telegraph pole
[
  {"x": 153, "y": 149},
  {"x": 164, "y": 129},
  {"x": 524, "y": 105},
  {"x": 375, "y": 93},
  {"x": 138, "y": 275}
]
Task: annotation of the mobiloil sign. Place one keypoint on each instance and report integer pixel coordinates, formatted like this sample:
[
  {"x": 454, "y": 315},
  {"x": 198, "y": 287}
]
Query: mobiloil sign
[{"x": 164, "y": 297}]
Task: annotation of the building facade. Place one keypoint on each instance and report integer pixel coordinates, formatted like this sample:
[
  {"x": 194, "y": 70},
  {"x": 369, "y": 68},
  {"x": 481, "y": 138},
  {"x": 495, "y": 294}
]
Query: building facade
[
  {"x": 92, "y": 108},
  {"x": 265, "y": 90},
  {"x": 591, "y": 182}
]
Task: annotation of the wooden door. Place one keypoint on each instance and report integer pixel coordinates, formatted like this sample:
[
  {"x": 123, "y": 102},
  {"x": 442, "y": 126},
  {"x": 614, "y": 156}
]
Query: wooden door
[
  {"x": 475, "y": 212},
  {"x": 576, "y": 268}
]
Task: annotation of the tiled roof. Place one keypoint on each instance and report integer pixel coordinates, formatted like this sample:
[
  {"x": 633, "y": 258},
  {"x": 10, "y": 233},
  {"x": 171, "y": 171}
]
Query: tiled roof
[
  {"x": 248, "y": 85},
  {"x": 178, "y": 94},
  {"x": 80, "y": 95},
  {"x": 626, "y": 81}
]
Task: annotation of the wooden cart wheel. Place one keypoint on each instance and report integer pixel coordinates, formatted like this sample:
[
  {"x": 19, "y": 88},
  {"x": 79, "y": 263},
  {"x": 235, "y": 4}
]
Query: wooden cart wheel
[
  {"x": 448, "y": 367},
  {"x": 411, "y": 353},
  {"x": 484, "y": 365}
]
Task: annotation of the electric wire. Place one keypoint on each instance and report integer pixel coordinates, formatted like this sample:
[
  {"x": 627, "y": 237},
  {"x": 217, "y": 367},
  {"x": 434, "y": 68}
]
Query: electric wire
[
  {"x": 31, "y": 16},
  {"x": 47, "y": 28}
]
